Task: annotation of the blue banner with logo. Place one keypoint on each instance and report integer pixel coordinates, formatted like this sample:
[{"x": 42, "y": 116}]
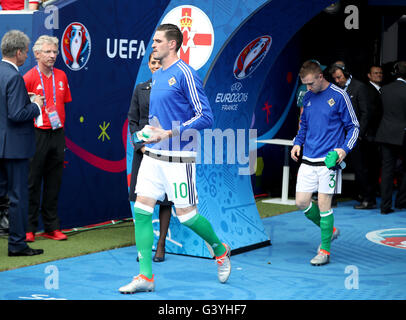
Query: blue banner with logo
[
  {"x": 245, "y": 76},
  {"x": 101, "y": 51},
  {"x": 251, "y": 87},
  {"x": 206, "y": 26},
  {"x": 245, "y": 53}
]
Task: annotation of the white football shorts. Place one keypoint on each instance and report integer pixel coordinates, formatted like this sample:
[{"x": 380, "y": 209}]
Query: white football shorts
[
  {"x": 158, "y": 177},
  {"x": 318, "y": 179}
]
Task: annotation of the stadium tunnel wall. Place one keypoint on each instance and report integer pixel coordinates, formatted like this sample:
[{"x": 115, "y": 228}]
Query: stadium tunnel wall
[{"x": 116, "y": 42}]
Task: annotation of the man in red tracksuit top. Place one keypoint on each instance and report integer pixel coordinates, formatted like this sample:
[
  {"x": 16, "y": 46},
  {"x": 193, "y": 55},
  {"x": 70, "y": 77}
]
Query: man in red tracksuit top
[{"x": 46, "y": 167}]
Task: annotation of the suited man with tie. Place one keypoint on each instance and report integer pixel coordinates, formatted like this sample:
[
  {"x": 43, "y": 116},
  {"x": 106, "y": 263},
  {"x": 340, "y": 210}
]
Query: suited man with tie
[
  {"x": 358, "y": 93},
  {"x": 17, "y": 140},
  {"x": 392, "y": 137},
  {"x": 372, "y": 150},
  {"x": 375, "y": 76}
]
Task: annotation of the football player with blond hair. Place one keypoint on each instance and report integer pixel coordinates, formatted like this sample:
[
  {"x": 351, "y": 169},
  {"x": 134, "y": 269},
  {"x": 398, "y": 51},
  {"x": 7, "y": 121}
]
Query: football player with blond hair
[{"x": 328, "y": 131}]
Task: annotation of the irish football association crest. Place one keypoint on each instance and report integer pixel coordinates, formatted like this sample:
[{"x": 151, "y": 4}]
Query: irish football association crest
[{"x": 198, "y": 34}]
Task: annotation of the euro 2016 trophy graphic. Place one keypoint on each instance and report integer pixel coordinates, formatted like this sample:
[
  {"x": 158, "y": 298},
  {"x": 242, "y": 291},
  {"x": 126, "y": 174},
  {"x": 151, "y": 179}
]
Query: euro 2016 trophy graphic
[
  {"x": 75, "y": 46},
  {"x": 251, "y": 56}
]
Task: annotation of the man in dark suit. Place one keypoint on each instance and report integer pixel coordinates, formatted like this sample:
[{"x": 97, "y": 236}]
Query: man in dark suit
[
  {"x": 358, "y": 93},
  {"x": 372, "y": 149},
  {"x": 375, "y": 76},
  {"x": 17, "y": 140},
  {"x": 392, "y": 136}
]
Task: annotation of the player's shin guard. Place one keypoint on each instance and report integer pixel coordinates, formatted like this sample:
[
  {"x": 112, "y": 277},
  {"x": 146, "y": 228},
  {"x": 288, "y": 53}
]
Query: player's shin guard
[
  {"x": 313, "y": 213},
  {"x": 202, "y": 227},
  {"x": 144, "y": 238},
  {"x": 326, "y": 226}
]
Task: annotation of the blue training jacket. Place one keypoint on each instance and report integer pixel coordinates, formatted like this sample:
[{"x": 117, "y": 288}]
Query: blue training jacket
[{"x": 328, "y": 121}]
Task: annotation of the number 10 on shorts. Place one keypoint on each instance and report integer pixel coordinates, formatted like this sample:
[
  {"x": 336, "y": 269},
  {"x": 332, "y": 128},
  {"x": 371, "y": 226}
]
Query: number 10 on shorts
[{"x": 180, "y": 190}]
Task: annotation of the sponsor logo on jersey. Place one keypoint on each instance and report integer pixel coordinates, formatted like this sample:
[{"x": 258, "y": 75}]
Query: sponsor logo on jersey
[
  {"x": 395, "y": 238},
  {"x": 75, "y": 46},
  {"x": 198, "y": 34},
  {"x": 251, "y": 57}
]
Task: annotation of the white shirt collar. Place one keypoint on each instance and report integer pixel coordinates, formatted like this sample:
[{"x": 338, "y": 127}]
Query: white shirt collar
[
  {"x": 375, "y": 85},
  {"x": 401, "y": 79},
  {"x": 14, "y": 65},
  {"x": 347, "y": 83}
]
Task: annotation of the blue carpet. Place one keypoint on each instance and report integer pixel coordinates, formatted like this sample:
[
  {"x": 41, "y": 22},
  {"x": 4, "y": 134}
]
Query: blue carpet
[{"x": 359, "y": 269}]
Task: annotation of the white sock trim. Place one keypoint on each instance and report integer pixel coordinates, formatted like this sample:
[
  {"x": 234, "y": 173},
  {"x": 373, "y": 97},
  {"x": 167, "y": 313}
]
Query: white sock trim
[
  {"x": 308, "y": 208},
  {"x": 186, "y": 217},
  {"x": 143, "y": 207},
  {"x": 326, "y": 214}
]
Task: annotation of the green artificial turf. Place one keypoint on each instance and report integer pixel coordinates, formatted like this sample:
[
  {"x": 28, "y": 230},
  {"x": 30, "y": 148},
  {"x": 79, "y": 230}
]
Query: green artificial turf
[
  {"x": 85, "y": 241},
  {"x": 78, "y": 243},
  {"x": 272, "y": 209}
]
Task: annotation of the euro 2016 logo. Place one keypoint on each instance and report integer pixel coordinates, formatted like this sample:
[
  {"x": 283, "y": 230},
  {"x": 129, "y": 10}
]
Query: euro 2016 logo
[
  {"x": 395, "y": 238},
  {"x": 75, "y": 46},
  {"x": 251, "y": 57}
]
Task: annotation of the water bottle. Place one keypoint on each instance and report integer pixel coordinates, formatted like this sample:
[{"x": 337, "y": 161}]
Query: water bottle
[
  {"x": 142, "y": 135},
  {"x": 146, "y": 132}
]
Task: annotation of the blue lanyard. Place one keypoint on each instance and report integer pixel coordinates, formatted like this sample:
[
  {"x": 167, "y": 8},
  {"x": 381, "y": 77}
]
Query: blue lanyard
[{"x": 43, "y": 87}]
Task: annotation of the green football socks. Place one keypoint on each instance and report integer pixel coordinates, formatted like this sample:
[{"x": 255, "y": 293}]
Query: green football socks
[
  {"x": 326, "y": 226},
  {"x": 325, "y": 220},
  {"x": 202, "y": 227},
  {"x": 313, "y": 213},
  {"x": 144, "y": 238}
]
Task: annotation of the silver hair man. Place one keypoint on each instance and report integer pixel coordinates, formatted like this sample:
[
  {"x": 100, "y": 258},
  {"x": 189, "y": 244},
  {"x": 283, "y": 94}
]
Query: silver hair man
[
  {"x": 42, "y": 40},
  {"x": 13, "y": 41}
]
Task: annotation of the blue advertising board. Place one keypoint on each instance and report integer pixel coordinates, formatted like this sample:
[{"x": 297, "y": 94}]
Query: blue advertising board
[
  {"x": 245, "y": 53},
  {"x": 245, "y": 68}
]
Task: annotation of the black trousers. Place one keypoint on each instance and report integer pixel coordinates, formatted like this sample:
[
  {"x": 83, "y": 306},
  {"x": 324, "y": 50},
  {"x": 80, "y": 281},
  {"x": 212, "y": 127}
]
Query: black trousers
[
  {"x": 390, "y": 155},
  {"x": 13, "y": 182},
  {"x": 372, "y": 161},
  {"x": 46, "y": 169},
  {"x": 360, "y": 158}
]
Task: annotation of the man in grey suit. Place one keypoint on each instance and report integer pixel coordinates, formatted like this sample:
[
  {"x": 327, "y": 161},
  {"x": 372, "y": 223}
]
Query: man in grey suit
[
  {"x": 392, "y": 137},
  {"x": 17, "y": 139}
]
